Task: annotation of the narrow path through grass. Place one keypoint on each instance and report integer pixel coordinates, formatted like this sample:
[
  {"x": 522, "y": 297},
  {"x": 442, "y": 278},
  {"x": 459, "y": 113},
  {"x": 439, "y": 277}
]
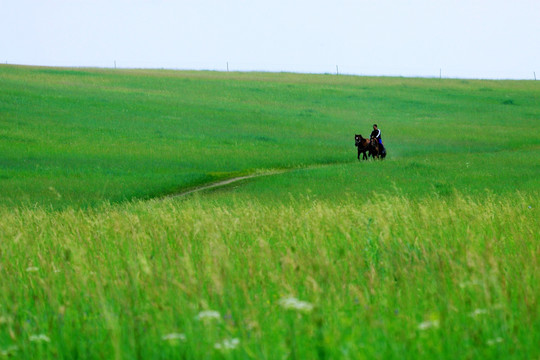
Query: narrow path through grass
[
  {"x": 226, "y": 182},
  {"x": 222, "y": 183}
]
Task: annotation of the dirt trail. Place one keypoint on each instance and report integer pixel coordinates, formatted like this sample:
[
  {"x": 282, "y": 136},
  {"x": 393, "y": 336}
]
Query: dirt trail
[
  {"x": 226, "y": 182},
  {"x": 245, "y": 177}
]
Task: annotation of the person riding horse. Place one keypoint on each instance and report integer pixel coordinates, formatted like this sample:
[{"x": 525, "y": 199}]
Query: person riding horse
[{"x": 376, "y": 133}]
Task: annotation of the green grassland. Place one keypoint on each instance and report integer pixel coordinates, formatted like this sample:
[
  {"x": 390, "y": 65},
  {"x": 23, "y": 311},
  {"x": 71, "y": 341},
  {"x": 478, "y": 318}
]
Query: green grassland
[
  {"x": 431, "y": 253},
  {"x": 78, "y": 137}
]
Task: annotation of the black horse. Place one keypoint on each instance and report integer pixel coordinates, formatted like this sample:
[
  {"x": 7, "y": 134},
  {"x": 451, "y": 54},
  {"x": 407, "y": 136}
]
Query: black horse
[
  {"x": 376, "y": 150},
  {"x": 362, "y": 145}
]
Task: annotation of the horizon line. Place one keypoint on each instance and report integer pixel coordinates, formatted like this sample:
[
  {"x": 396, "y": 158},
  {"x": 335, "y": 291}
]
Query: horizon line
[{"x": 337, "y": 73}]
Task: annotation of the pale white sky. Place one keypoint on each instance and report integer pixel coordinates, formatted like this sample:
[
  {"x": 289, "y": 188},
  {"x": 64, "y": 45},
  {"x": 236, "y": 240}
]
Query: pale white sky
[{"x": 464, "y": 38}]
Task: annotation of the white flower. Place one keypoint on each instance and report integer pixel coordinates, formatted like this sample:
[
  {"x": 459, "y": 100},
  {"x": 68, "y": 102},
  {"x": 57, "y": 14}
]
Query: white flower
[
  {"x": 468, "y": 283},
  {"x": 227, "y": 344},
  {"x": 32, "y": 269},
  {"x": 477, "y": 312},
  {"x": 174, "y": 336},
  {"x": 428, "y": 324},
  {"x": 492, "y": 342},
  {"x": 8, "y": 352},
  {"x": 292, "y": 303},
  {"x": 40, "y": 338},
  {"x": 208, "y": 315}
]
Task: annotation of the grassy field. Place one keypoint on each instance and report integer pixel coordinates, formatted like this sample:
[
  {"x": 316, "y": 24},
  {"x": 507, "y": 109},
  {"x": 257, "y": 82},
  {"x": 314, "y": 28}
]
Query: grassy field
[
  {"x": 79, "y": 137},
  {"x": 387, "y": 278},
  {"x": 432, "y": 253}
]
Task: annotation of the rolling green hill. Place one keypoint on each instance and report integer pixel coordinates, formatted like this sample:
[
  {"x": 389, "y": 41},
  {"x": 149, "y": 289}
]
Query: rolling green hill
[{"x": 80, "y": 137}]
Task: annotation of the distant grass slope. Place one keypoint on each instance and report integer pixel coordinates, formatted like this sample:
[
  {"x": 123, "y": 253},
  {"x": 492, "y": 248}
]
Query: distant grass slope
[{"x": 81, "y": 136}]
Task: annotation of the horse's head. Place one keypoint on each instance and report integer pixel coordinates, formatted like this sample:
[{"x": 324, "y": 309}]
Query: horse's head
[
  {"x": 373, "y": 141},
  {"x": 357, "y": 139}
]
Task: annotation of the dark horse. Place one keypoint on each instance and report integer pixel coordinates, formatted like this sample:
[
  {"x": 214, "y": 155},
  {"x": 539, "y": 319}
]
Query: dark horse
[
  {"x": 362, "y": 145},
  {"x": 376, "y": 150}
]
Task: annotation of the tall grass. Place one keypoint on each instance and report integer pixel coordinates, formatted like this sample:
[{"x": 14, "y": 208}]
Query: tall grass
[{"x": 385, "y": 277}]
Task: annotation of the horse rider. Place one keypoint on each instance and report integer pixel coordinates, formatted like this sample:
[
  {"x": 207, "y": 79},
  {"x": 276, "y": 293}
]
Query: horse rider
[{"x": 376, "y": 133}]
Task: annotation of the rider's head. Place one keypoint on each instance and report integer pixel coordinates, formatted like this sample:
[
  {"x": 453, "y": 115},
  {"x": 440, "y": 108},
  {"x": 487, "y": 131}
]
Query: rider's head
[{"x": 374, "y": 126}]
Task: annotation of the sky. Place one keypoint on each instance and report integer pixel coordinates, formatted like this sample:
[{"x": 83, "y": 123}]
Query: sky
[{"x": 495, "y": 39}]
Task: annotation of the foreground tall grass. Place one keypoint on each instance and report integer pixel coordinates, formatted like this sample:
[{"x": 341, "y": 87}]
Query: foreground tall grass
[{"x": 451, "y": 277}]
